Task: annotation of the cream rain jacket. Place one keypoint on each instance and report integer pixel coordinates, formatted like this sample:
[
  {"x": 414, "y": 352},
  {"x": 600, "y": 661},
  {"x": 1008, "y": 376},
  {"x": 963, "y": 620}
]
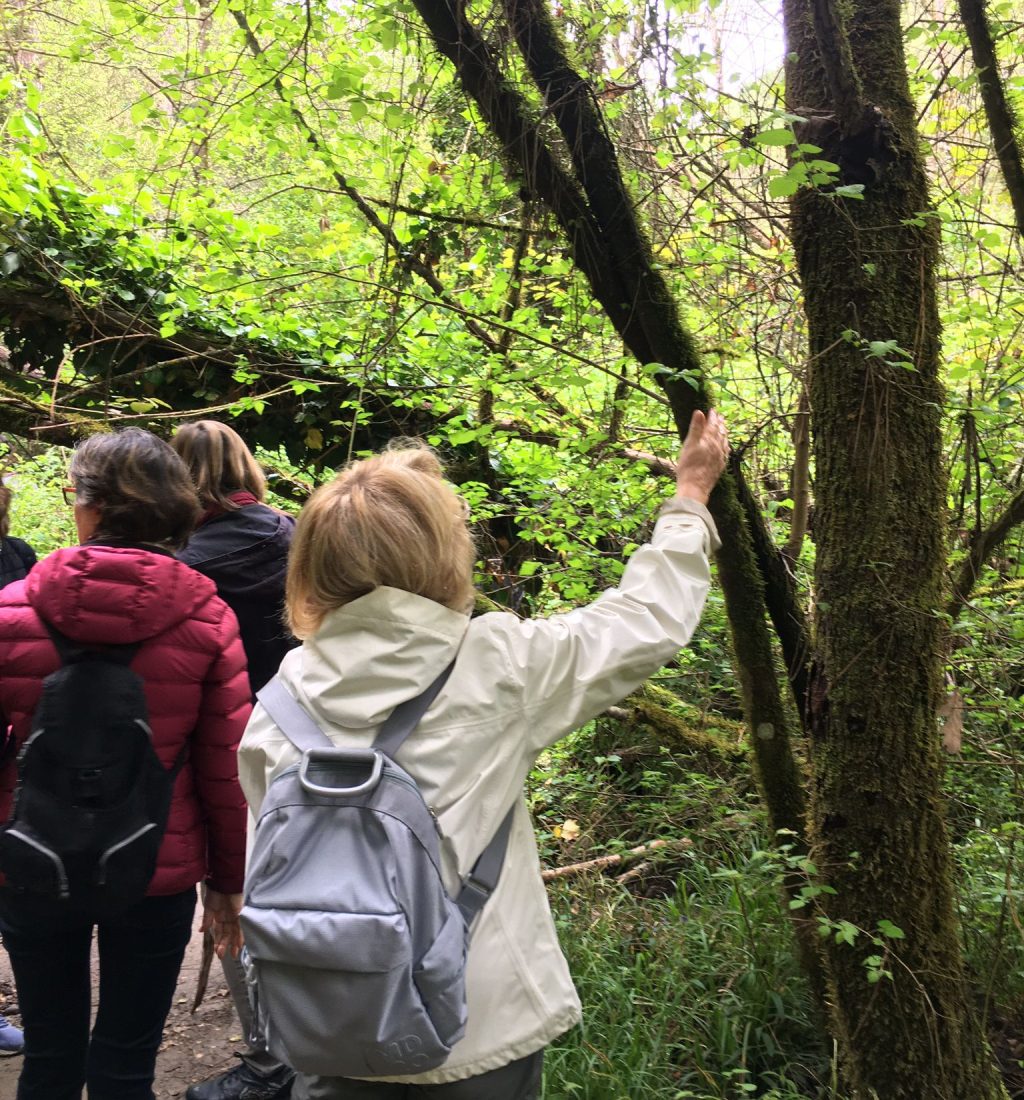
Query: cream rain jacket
[{"x": 517, "y": 687}]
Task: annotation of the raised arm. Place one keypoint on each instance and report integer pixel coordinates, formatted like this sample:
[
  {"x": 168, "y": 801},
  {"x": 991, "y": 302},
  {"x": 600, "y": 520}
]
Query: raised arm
[{"x": 571, "y": 667}]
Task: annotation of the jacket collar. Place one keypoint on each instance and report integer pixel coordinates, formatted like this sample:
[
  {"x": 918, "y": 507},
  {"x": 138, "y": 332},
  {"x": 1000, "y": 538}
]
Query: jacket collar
[
  {"x": 374, "y": 653},
  {"x": 240, "y": 499}
]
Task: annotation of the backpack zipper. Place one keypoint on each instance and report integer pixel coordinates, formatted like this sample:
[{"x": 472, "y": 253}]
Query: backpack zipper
[
  {"x": 58, "y": 864},
  {"x": 101, "y": 875}
]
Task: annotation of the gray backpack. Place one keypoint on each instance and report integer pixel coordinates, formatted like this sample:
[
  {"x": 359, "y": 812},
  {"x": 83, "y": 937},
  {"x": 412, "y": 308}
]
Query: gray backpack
[{"x": 354, "y": 952}]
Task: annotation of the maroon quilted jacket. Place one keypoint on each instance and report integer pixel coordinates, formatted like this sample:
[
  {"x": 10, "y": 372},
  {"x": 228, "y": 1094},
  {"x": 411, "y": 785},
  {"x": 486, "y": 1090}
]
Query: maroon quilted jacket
[{"x": 193, "y": 667}]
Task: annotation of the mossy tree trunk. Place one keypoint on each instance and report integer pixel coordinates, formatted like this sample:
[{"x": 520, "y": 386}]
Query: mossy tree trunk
[
  {"x": 878, "y": 834},
  {"x": 584, "y": 188},
  {"x": 582, "y": 184}
]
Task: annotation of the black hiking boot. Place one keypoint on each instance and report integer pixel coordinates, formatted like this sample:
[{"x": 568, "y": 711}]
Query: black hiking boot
[{"x": 245, "y": 1083}]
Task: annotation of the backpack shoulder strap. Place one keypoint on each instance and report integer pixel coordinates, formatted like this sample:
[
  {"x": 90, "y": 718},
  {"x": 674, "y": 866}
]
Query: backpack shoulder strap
[
  {"x": 291, "y": 717},
  {"x": 405, "y": 717},
  {"x": 70, "y": 651},
  {"x": 482, "y": 880}
]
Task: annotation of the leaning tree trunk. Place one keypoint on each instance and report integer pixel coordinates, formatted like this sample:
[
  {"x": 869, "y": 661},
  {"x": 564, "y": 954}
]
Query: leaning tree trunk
[
  {"x": 586, "y": 192},
  {"x": 867, "y": 268}
]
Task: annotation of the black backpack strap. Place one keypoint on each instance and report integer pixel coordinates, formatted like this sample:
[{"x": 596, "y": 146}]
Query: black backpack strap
[
  {"x": 482, "y": 880},
  {"x": 291, "y": 717},
  {"x": 405, "y": 717},
  {"x": 70, "y": 651}
]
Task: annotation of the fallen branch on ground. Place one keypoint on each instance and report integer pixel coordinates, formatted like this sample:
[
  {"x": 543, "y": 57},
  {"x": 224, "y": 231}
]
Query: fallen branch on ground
[{"x": 601, "y": 862}]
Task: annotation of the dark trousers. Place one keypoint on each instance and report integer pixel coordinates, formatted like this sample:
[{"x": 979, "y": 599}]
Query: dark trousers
[
  {"x": 140, "y": 953},
  {"x": 517, "y": 1081}
]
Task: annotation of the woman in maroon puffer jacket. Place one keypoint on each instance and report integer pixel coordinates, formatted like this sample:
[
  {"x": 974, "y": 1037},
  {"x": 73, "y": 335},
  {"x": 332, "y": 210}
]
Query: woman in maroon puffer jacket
[{"x": 134, "y": 504}]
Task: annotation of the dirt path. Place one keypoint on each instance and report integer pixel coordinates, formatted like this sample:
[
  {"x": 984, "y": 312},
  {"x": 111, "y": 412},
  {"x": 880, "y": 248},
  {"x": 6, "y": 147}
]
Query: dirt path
[{"x": 194, "y": 1047}]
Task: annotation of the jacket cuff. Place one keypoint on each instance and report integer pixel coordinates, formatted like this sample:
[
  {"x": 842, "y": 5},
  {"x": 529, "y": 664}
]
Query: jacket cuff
[
  {"x": 235, "y": 884},
  {"x": 675, "y": 506}
]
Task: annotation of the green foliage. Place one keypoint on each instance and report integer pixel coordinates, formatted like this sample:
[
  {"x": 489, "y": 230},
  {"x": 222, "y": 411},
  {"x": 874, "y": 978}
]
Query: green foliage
[
  {"x": 696, "y": 994},
  {"x": 38, "y": 512},
  {"x": 293, "y": 200}
]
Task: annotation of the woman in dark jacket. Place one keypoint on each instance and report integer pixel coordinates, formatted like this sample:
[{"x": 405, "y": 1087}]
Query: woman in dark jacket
[
  {"x": 239, "y": 542},
  {"x": 134, "y": 504},
  {"x": 242, "y": 546},
  {"x": 16, "y": 556}
]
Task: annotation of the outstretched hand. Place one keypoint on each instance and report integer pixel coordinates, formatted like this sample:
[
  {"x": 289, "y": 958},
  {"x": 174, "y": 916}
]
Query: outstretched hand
[
  {"x": 703, "y": 456},
  {"x": 220, "y": 913}
]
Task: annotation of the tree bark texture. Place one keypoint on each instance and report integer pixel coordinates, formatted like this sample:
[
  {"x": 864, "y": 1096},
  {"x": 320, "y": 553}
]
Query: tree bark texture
[
  {"x": 1001, "y": 120},
  {"x": 878, "y": 832}
]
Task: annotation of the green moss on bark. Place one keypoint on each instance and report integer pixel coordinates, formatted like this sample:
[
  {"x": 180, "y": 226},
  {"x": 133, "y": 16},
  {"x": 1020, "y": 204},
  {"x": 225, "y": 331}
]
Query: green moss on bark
[{"x": 878, "y": 834}]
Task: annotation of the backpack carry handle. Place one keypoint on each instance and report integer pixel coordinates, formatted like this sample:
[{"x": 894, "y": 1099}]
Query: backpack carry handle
[{"x": 367, "y": 758}]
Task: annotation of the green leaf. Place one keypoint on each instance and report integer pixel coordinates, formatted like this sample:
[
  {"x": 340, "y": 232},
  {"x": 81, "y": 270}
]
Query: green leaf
[
  {"x": 887, "y": 928},
  {"x": 780, "y": 187},
  {"x": 358, "y": 110},
  {"x": 775, "y": 137},
  {"x": 396, "y": 116},
  {"x": 846, "y": 932}
]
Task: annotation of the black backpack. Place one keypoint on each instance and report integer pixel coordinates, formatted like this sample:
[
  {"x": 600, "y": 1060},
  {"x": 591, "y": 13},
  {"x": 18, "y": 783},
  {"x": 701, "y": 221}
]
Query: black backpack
[{"x": 92, "y": 799}]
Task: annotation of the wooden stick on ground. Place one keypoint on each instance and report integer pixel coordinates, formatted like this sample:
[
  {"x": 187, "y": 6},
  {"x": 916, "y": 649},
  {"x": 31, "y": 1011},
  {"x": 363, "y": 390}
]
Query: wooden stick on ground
[
  {"x": 601, "y": 862},
  {"x": 204, "y": 969}
]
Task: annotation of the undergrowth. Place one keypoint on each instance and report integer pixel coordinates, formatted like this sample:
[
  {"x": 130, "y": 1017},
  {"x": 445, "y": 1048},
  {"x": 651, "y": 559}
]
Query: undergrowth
[{"x": 687, "y": 975}]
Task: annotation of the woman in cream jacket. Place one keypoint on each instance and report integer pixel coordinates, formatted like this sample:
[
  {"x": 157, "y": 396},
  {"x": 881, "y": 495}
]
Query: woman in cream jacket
[{"x": 379, "y": 590}]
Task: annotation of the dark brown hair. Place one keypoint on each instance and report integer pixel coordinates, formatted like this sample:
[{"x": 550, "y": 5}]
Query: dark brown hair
[
  {"x": 5, "y": 506},
  {"x": 141, "y": 488}
]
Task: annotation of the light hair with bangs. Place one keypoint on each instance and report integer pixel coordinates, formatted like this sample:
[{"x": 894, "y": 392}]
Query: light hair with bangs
[
  {"x": 220, "y": 463},
  {"x": 390, "y": 520}
]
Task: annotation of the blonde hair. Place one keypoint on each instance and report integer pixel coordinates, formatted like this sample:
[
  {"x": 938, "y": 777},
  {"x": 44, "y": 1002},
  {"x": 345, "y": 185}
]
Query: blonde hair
[
  {"x": 220, "y": 463},
  {"x": 388, "y": 520},
  {"x": 139, "y": 485}
]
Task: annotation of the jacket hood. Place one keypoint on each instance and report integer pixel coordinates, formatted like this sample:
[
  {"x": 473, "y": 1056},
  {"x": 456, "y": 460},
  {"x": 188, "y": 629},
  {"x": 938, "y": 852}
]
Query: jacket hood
[
  {"x": 113, "y": 594},
  {"x": 374, "y": 653}
]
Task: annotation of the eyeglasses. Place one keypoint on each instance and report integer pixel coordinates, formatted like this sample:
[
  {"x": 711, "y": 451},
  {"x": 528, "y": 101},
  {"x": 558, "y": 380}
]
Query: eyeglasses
[{"x": 68, "y": 492}]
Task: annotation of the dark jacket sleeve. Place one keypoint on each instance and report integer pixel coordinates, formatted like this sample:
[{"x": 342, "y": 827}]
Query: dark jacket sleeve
[
  {"x": 26, "y": 553},
  {"x": 223, "y": 714}
]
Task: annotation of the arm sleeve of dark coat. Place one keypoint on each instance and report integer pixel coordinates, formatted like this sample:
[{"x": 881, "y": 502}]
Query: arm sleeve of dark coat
[{"x": 222, "y": 718}]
